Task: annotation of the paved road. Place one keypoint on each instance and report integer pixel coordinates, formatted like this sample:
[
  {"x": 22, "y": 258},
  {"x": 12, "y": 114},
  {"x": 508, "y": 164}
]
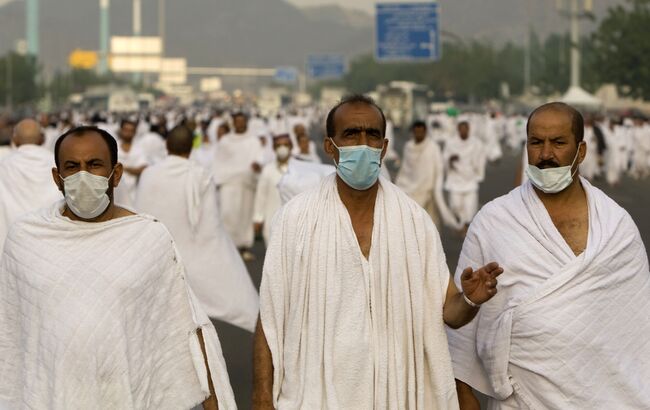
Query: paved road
[{"x": 633, "y": 195}]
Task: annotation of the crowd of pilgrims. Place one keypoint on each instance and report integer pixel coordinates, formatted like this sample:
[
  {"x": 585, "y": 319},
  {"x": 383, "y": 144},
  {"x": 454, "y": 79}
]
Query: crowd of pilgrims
[{"x": 254, "y": 164}]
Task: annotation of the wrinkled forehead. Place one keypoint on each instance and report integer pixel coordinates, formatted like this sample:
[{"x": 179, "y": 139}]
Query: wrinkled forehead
[
  {"x": 357, "y": 115},
  {"x": 84, "y": 147},
  {"x": 550, "y": 121}
]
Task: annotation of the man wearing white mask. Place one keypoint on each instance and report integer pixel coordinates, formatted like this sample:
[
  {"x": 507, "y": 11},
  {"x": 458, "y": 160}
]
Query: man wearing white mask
[
  {"x": 355, "y": 290},
  {"x": 267, "y": 196},
  {"x": 569, "y": 327},
  {"x": 25, "y": 182},
  {"x": 94, "y": 308}
]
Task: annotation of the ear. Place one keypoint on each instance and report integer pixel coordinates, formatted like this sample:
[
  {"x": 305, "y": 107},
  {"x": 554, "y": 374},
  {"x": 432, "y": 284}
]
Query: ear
[
  {"x": 330, "y": 149},
  {"x": 57, "y": 178},
  {"x": 582, "y": 152},
  {"x": 118, "y": 171}
]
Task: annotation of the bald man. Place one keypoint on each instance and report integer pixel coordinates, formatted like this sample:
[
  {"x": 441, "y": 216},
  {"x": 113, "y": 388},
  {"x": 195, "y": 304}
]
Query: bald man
[
  {"x": 569, "y": 327},
  {"x": 25, "y": 176}
]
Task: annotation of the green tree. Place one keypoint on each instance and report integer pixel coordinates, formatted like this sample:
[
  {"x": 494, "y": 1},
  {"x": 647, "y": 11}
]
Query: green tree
[
  {"x": 18, "y": 80},
  {"x": 622, "y": 50}
]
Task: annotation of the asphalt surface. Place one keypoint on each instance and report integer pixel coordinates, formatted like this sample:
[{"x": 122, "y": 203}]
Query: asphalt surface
[{"x": 237, "y": 344}]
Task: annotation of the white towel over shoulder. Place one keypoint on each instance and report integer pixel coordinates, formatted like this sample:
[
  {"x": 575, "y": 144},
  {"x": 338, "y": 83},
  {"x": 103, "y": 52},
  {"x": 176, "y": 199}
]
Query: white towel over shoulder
[
  {"x": 98, "y": 316},
  {"x": 351, "y": 333},
  {"x": 564, "y": 331}
]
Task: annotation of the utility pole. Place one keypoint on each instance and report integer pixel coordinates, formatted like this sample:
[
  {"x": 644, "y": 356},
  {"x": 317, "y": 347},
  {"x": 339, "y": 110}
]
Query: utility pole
[
  {"x": 161, "y": 25},
  {"x": 527, "y": 57},
  {"x": 137, "y": 28},
  {"x": 32, "y": 27},
  {"x": 9, "y": 79},
  {"x": 104, "y": 34},
  {"x": 575, "y": 14}
]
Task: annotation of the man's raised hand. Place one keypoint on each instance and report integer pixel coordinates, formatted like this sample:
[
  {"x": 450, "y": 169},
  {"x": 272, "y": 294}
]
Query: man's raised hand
[{"x": 481, "y": 285}]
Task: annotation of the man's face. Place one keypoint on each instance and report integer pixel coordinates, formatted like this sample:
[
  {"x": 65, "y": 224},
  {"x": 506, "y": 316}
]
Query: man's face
[
  {"x": 463, "y": 131},
  {"x": 299, "y": 130},
  {"x": 127, "y": 132},
  {"x": 88, "y": 153},
  {"x": 282, "y": 142},
  {"x": 240, "y": 123},
  {"x": 419, "y": 133},
  {"x": 551, "y": 142},
  {"x": 356, "y": 124}
]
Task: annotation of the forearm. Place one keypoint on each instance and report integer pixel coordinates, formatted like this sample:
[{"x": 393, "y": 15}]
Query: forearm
[
  {"x": 262, "y": 371},
  {"x": 211, "y": 402},
  {"x": 457, "y": 312},
  {"x": 466, "y": 398}
]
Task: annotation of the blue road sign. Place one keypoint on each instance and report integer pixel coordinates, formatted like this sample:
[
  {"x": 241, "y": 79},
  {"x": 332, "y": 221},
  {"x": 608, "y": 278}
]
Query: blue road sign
[
  {"x": 326, "y": 66},
  {"x": 286, "y": 75},
  {"x": 407, "y": 32}
]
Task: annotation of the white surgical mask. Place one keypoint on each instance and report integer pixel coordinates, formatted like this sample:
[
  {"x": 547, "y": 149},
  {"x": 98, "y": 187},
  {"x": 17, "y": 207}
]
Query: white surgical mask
[
  {"x": 282, "y": 152},
  {"x": 552, "y": 180},
  {"x": 86, "y": 194}
]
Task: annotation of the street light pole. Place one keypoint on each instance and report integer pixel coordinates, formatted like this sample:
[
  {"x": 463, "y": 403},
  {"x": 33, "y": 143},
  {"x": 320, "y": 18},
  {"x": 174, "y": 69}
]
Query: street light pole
[
  {"x": 575, "y": 44},
  {"x": 104, "y": 30}
]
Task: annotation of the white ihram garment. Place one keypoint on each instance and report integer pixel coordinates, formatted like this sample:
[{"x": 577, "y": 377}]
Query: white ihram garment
[
  {"x": 99, "y": 316},
  {"x": 26, "y": 184},
  {"x": 267, "y": 196},
  {"x": 351, "y": 333},
  {"x": 234, "y": 156},
  {"x": 564, "y": 331},
  {"x": 462, "y": 181},
  {"x": 182, "y": 196}
]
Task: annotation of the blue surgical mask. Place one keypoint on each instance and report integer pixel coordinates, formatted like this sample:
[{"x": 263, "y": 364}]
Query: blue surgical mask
[
  {"x": 358, "y": 165},
  {"x": 552, "y": 180}
]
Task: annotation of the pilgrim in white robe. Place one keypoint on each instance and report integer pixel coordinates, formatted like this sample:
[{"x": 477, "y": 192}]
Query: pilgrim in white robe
[
  {"x": 182, "y": 196},
  {"x": 234, "y": 156},
  {"x": 590, "y": 166},
  {"x": 267, "y": 196},
  {"x": 563, "y": 331},
  {"x": 301, "y": 177},
  {"x": 25, "y": 184},
  {"x": 421, "y": 175},
  {"x": 136, "y": 157},
  {"x": 349, "y": 332},
  {"x": 99, "y": 316},
  {"x": 462, "y": 180}
]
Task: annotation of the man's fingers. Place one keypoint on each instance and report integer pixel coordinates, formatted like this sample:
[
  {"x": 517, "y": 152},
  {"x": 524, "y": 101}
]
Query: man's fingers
[
  {"x": 467, "y": 273},
  {"x": 496, "y": 272},
  {"x": 491, "y": 266}
]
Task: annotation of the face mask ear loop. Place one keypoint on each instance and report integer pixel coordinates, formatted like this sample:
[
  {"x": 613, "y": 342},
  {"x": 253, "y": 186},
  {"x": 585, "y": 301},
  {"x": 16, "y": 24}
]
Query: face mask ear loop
[
  {"x": 337, "y": 148},
  {"x": 575, "y": 159}
]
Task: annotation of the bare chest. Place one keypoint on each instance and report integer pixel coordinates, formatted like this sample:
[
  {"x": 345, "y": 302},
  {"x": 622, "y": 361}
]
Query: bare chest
[
  {"x": 363, "y": 231},
  {"x": 574, "y": 228}
]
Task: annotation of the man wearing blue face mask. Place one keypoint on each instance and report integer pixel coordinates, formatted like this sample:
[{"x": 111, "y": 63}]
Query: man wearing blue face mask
[
  {"x": 569, "y": 327},
  {"x": 356, "y": 291},
  {"x": 95, "y": 311}
]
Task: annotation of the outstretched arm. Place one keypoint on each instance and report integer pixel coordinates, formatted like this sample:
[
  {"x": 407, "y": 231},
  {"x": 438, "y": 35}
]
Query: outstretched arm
[
  {"x": 478, "y": 287},
  {"x": 262, "y": 371}
]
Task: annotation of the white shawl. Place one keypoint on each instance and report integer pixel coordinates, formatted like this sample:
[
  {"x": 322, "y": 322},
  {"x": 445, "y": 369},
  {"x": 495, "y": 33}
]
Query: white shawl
[
  {"x": 181, "y": 194},
  {"x": 25, "y": 184},
  {"x": 98, "y": 316},
  {"x": 564, "y": 331},
  {"x": 349, "y": 333}
]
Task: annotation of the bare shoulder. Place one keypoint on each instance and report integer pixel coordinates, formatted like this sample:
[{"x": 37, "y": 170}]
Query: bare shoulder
[{"x": 122, "y": 212}]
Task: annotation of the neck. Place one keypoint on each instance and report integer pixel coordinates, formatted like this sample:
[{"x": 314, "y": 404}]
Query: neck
[
  {"x": 107, "y": 215},
  {"x": 186, "y": 156},
  {"x": 357, "y": 200},
  {"x": 572, "y": 194},
  {"x": 282, "y": 161}
]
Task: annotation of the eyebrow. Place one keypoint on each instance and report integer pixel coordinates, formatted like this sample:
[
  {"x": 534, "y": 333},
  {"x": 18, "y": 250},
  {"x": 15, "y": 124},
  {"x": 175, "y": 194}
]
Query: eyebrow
[{"x": 355, "y": 130}]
